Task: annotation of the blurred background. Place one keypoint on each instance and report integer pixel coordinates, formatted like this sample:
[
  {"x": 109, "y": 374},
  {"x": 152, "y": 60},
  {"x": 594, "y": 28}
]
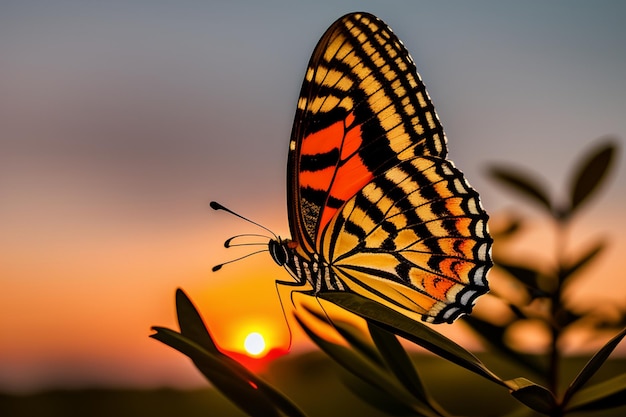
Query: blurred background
[{"x": 121, "y": 120}]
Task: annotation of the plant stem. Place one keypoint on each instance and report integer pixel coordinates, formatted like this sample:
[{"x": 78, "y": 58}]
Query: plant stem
[
  {"x": 553, "y": 361},
  {"x": 554, "y": 358}
]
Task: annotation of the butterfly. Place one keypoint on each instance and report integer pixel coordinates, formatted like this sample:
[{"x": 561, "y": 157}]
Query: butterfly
[{"x": 374, "y": 206}]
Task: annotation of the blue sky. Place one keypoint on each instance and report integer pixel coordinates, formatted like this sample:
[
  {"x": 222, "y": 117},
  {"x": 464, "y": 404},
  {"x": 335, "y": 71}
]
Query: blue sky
[{"x": 119, "y": 121}]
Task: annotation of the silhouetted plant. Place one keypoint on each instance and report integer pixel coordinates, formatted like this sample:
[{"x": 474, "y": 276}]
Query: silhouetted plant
[{"x": 361, "y": 335}]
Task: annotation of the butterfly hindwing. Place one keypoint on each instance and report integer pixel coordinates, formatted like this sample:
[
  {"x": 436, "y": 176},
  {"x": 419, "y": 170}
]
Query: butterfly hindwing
[{"x": 415, "y": 237}]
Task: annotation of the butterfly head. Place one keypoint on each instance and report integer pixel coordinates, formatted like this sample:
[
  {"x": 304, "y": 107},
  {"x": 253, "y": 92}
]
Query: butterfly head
[
  {"x": 277, "y": 247},
  {"x": 278, "y": 251}
]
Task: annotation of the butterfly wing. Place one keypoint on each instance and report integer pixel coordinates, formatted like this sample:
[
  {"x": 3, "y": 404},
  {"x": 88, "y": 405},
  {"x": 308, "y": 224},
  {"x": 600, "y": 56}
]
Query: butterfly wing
[
  {"x": 362, "y": 109},
  {"x": 370, "y": 191},
  {"x": 414, "y": 237}
]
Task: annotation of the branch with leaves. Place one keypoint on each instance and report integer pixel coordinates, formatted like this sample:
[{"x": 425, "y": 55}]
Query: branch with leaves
[{"x": 363, "y": 336}]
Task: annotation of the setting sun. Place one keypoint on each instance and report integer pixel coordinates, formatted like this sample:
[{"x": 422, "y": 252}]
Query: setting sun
[{"x": 254, "y": 344}]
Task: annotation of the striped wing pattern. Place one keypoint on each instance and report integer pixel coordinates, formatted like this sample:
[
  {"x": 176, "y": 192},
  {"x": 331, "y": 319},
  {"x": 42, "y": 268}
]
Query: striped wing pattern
[
  {"x": 414, "y": 237},
  {"x": 374, "y": 206},
  {"x": 362, "y": 109}
]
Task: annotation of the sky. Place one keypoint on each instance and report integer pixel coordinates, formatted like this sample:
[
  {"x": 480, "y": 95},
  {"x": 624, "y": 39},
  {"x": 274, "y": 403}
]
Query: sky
[{"x": 120, "y": 121}]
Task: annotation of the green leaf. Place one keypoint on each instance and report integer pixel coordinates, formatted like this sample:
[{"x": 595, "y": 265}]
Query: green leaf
[
  {"x": 533, "y": 395},
  {"x": 593, "y": 365},
  {"x": 522, "y": 182},
  {"x": 412, "y": 330},
  {"x": 242, "y": 387},
  {"x": 191, "y": 324},
  {"x": 377, "y": 398},
  {"x": 607, "y": 394},
  {"x": 590, "y": 173},
  {"x": 365, "y": 369},
  {"x": 398, "y": 361},
  {"x": 240, "y": 391},
  {"x": 350, "y": 359},
  {"x": 588, "y": 256},
  {"x": 356, "y": 338}
]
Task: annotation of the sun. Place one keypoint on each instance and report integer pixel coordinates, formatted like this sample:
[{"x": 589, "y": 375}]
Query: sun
[{"x": 254, "y": 344}]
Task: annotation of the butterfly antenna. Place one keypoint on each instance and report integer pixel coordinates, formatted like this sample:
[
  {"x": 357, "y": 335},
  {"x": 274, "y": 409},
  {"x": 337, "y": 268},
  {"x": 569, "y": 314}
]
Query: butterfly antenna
[
  {"x": 217, "y": 206},
  {"x": 228, "y": 243},
  {"x": 219, "y": 266}
]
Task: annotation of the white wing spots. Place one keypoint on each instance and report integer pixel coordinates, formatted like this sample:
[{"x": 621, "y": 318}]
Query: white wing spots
[
  {"x": 451, "y": 312},
  {"x": 447, "y": 170},
  {"x": 460, "y": 186},
  {"x": 439, "y": 144},
  {"x": 472, "y": 207},
  {"x": 480, "y": 276},
  {"x": 483, "y": 252}
]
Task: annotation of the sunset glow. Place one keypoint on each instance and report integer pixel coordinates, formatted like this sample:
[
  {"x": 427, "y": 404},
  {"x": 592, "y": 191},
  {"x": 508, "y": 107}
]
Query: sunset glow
[{"x": 120, "y": 121}]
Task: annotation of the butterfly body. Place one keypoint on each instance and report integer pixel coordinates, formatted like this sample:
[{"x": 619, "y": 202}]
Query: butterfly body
[
  {"x": 316, "y": 272},
  {"x": 374, "y": 206}
]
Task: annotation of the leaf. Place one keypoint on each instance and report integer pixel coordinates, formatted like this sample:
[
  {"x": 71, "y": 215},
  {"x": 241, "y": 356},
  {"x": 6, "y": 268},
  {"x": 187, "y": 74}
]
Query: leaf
[
  {"x": 348, "y": 358},
  {"x": 365, "y": 369},
  {"x": 376, "y": 398},
  {"x": 412, "y": 330},
  {"x": 398, "y": 361},
  {"x": 570, "y": 269},
  {"x": 240, "y": 391},
  {"x": 356, "y": 338},
  {"x": 607, "y": 394},
  {"x": 494, "y": 335},
  {"x": 590, "y": 174},
  {"x": 242, "y": 387},
  {"x": 533, "y": 395},
  {"x": 191, "y": 324},
  {"x": 522, "y": 182},
  {"x": 593, "y": 365}
]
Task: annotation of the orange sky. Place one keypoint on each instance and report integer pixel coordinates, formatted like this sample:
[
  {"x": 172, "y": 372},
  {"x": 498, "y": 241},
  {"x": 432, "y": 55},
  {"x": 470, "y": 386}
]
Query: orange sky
[{"x": 119, "y": 124}]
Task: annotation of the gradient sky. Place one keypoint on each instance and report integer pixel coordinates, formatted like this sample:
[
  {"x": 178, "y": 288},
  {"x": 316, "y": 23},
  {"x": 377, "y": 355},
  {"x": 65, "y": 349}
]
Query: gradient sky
[{"x": 121, "y": 120}]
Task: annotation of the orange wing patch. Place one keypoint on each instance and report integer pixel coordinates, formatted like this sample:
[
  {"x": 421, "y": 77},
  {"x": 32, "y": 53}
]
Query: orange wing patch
[{"x": 341, "y": 180}]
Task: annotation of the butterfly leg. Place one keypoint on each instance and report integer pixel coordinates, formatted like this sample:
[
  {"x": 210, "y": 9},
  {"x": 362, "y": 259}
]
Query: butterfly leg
[{"x": 278, "y": 284}]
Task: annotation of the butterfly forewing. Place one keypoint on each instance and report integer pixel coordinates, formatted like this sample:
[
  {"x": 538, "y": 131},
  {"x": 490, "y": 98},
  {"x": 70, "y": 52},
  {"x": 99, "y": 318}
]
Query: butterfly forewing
[{"x": 362, "y": 110}]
